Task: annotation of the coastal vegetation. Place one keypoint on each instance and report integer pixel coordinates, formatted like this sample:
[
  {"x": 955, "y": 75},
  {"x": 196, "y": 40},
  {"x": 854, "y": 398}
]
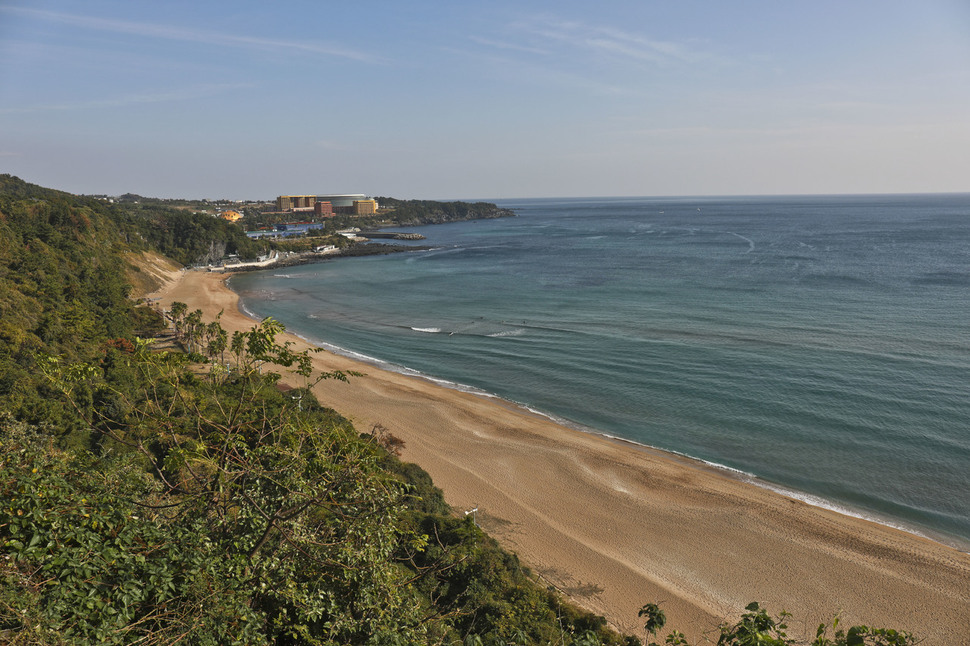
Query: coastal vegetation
[
  {"x": 190, "y": 238},
  {"x": 393, "y": 212},
  {"x": 415, "y": 212},
  {"x": 189, "y": 231},
  {"x": 196, "y": 492},
  {"x": 758, "y": 628},
  {"x": 187, "y": 494}
]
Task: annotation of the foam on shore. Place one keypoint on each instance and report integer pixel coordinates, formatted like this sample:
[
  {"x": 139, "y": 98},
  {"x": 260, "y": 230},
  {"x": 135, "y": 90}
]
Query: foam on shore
[
  {"x": 737, "y": 474},
  {"x": 615, "y": 524}
]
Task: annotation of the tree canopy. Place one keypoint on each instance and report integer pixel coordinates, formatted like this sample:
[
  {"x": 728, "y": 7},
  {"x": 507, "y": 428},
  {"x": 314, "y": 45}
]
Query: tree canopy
[{"x": 202, "y": 495}]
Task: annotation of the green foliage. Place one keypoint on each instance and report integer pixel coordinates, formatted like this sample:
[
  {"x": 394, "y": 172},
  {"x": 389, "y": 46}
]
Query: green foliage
[
  {"x": 411, "y": 212},
  {"x": 62, "y": 289},
  {"x": 83, "y": 563},
  {"x": 61, "y": 269},
  {"x": 293, "y": 508},
  {"x": 654, "y": 617},
  {"x": 146, "y": 321},
  {"x": 422, "y": 495},
  {"x": 188, "y": 237},
  {"x": 191, "y": 497},
  {"x": 323, "y": 536},
  {"x": 862, "y": 636},
  {"x": 757, "y": 628},
  {"x": 487, "y": 594}
]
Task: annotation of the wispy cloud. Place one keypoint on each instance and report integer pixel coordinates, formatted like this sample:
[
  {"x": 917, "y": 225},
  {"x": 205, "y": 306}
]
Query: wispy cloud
[
  {"x": 499, "y": 44},
  {"x": 541, "y": 72},
  {"x": 587, "y": 58},
  {"x": 614, "y": 42},
  {"x": 180, "y": 94},
  {"x": 209, "y": 37}
]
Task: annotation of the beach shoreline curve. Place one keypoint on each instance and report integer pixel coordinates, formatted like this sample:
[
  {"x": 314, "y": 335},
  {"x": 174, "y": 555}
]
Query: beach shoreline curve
[{"x": 615, "y": 524}]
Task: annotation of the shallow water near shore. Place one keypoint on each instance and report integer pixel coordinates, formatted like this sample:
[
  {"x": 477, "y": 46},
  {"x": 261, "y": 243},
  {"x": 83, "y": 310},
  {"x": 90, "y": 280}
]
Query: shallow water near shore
[{"x": 818, "y": 343}]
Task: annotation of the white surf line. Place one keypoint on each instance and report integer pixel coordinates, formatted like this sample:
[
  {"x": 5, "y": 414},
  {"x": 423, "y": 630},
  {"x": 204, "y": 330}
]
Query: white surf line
[{"x": 748, "y": 240}]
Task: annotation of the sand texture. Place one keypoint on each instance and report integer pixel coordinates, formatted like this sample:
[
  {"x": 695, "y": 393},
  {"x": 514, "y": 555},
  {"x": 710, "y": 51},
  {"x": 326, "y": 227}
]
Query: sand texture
[{"x": 615, "y": 526}]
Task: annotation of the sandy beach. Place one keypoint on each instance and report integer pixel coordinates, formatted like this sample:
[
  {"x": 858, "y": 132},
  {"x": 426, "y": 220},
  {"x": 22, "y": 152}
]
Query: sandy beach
[{"x": 614, "y": 525}]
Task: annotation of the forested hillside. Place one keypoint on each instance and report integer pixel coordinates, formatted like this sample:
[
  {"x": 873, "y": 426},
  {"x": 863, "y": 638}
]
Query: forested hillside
[
  {"x": 188, "y": 237},
  {"x": 201, "y": 495},
  {"x": 62, "y": 291},
  {"x": 163, "y": 497},
  {"x": 413, "y": 212}
]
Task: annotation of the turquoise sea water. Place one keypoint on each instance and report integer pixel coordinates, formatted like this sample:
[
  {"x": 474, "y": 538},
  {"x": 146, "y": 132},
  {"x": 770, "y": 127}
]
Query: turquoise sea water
[{"x": 820, "y": 344}]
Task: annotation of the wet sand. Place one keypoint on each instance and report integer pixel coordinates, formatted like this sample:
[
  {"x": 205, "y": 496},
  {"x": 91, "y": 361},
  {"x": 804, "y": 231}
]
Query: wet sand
[{"x": 615, "y": 525}]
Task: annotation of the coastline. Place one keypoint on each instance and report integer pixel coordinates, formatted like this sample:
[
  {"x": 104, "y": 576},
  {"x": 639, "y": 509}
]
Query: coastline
[
  {"x": 955, "y": 542},
  {"x": 615, "y": 525}
]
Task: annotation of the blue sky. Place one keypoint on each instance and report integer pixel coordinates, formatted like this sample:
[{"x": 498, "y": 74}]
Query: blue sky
[{"x": 440, "y": 100}]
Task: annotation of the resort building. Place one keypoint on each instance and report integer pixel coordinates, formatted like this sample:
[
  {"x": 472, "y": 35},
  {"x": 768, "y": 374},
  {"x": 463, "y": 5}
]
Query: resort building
[
  {"x": 365, "y": 207},
  {"x": 308, "y": 202},
  {"x": 345, "y": 200},
  {"x": 295, "y": 202}
]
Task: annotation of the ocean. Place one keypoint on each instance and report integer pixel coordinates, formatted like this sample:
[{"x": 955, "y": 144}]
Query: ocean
[{"x": 815, "y": 345}]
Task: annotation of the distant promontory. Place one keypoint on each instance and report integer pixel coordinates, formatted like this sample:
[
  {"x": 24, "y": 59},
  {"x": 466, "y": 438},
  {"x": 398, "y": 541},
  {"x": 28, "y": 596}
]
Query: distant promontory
[{"x": 417, "y": 212}]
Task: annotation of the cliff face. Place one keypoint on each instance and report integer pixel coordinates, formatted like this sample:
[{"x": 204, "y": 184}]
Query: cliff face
[{"x": 215, "y": 253}]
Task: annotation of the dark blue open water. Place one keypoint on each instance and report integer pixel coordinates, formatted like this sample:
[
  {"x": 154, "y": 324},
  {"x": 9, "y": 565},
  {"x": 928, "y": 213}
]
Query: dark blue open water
[{"x": 821, "y": 344}]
